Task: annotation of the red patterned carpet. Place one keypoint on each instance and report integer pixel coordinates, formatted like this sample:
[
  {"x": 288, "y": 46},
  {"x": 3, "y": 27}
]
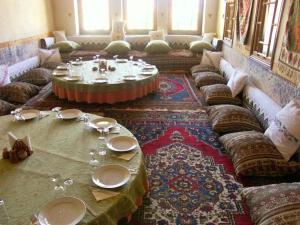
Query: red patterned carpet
[{"x": 191, "y": 179}]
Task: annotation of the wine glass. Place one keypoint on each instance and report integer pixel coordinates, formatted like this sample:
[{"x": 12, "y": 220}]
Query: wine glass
[
  {"x": 131, "y": 58},
  {"x": 93, "y": 161},
  {"x": 4, "y": 218},
  {"x": 56, "y": 178}
]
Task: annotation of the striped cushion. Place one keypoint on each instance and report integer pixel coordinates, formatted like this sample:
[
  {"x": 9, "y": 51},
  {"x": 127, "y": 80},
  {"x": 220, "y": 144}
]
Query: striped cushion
[
  {"x": 208, "y": 78},
  {"x": 18, "y": 92},
  {"x": 253, "y": 154},
  {"x": 6, "y": 107},
  {"x": 231, "y": 118},
  {"x": 38, "y": 76},
  {"x": 219, "y": 94},
  {"x": 202, "y": 68},
  {"x": 275, "y": 204}
]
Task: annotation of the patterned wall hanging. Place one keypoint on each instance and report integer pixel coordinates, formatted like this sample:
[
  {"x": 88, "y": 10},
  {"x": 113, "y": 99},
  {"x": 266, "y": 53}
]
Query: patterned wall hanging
[
  {"x": 243, "y": 19},
  {"x": 289, "y": 58}
]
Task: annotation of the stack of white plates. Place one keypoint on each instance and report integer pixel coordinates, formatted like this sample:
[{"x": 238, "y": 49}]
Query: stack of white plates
[{"x": 70, "y": 114}]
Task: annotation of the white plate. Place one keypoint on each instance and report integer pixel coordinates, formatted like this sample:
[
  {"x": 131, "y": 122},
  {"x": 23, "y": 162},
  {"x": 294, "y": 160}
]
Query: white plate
[
  {"x": 149, "y": 67},
  {"x": 147, "y": 73},
  {"x": 100, "y": 80},
  {"x": 73, "y": 78},
  {"x": 70, "y": 114},
  {"x": 29, "y": 114},
  {"x": 122, "y": 143},
  {"x": 62, "y": 211},
  {"x": 122, "y": 60},
  {"x": 104, "y": 122},
  {"x": 129, "y": 77},
  {"x": 76, "y": 63},
  {"x": 111, "y": 176},
  {"x": 60, "y": 73},
  {"x": 62, "y": 68}
]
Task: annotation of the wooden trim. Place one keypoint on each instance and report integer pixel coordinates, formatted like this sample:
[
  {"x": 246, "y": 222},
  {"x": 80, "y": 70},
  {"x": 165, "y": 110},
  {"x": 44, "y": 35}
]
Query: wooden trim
[
  {"x": 229, "y": 4},
  {"x": 190, "y": 32},
  {"x": 12, "y": 43},
  {"x": 144, "y": 31},
  {"x": 80, "y": 17}
]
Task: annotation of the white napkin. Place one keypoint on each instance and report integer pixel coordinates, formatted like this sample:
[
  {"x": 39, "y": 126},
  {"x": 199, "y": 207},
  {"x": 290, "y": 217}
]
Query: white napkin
[{"x": 12, "y": 139}]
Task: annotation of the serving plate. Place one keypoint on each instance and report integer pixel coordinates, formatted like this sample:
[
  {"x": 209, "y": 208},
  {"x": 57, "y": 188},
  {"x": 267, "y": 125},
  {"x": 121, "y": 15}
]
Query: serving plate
[
  {"x": 29, "y": 114},
  {"x": 147, "y": 73},
  {"x": 73, "y": 78},
  {"x": 121, "y": 60},
  {"x": 62, "y": 68},
  {"x": 58, "y": 73},
  {"x": 104, "y": 122},
  {"x": 62, "y": 211},
  {"x": 100, "y": 80},
  {"x": 111, "y": 176},
  {"x": 129, "y": 77},
  {"x": 70, "y": 114},
  {"x": 122, "y": 143}
]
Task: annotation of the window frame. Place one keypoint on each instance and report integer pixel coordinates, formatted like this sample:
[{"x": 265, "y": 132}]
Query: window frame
[
  {"x": 227, "y": 18},
  {"x": 138, "y": 31},
  {"x": 264, "y": 60},
  {"x": 82, "y": 31},
  {"x": 187, "y": 32}
]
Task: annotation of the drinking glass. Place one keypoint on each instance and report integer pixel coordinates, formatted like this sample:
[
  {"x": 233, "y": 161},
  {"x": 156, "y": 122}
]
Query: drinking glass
[
  {"x": 4, "y": 218},
  {"x": 56, "y": 178},
  {"x": 93, "y": 161}
]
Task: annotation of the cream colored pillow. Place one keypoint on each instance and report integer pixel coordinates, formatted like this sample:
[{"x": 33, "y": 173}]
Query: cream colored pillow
[
  {"x": 118, "y": 31},
  {"x": 208, "y": 37},
  {"x": 51, "y": 55},
  {"x": 210, "y": 58},
  {"x": 284, "y": 131},
  {"x": 157, "y": 35},
  {"x": 60, "y": 35},
  {"x": 237, "y": 82}
]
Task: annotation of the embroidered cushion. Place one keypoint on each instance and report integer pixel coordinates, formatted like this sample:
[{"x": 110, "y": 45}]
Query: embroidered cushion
[
  {"x": 157, "y": 47},
  {"x": 210, "y": 58},
  {"x": 208, "y": 78},
  {"x": 118, "y": 31},
  {"x": 274, "y": 204},
  {"x": 37, "y": 76},
  {"x": 284, "y": 131},
  {"x": 118, "y": 47},
  {"x": 51, "y": 55},
  {"x": 199, "y": 46},
  {"x": 219, "y": 94},
  {"x": 19, "y": 92},
  {"x": 4, "y": 76},
  {"x": 237, "y": 82},
  {"x": 157, "y": 35},
  {"x": 60, "y": 35},
  {"x": 202, "y": 68},
  {"x": 6, "y": 107},
  {"x": 208, "y": 37},
  {"x": 66, "y": 46},
  {"x": 232, "y": 118},
  {"x": 254, "y": 154},
  {"x": 51, "y": 65}
]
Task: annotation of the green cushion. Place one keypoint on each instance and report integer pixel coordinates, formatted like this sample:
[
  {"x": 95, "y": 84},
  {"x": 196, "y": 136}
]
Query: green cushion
[
  {"x": 66, "y": 46},
  {"x": 118, "y": 47},
  {"x": 157, "y": 46},
  {"x": 198, "y": 46}
]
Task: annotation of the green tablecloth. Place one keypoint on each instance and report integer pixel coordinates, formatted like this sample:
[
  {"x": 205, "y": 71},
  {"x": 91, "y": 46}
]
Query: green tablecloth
[{"x": 62, "y": 147}]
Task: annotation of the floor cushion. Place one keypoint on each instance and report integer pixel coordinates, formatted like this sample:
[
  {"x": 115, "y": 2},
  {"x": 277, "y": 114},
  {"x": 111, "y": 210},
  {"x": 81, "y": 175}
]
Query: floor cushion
[
  {"x": 275, "y": 204},
  {"x": 254, "y": 154},
  {"x": 202, "y": 68},
  {"x": 232, "y": 118},
  {"x": 208, "y": 78},
  {"x": 6, "y": 107},
  {"x": 37, "y": 76},
  {"x": 19, "y": 92},
  {"x": 217, "y": 94}
]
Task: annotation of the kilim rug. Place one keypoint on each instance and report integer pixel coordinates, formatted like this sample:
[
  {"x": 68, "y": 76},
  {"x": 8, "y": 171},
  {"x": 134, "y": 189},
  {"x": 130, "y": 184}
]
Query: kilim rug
[
  {"x": 176, "y": 91},
  {"x": 191, "y": 178}
]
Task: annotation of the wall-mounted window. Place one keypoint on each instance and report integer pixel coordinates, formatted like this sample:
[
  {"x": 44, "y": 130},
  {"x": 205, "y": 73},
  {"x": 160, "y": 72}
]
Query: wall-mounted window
[
  {"x": 229, "y": 22},
  {"x": 185, "y": 16},
  {"x": 94, "y": 16},
  {"x": 265, "y": 31},
  {"x": 140, "y": 15}
]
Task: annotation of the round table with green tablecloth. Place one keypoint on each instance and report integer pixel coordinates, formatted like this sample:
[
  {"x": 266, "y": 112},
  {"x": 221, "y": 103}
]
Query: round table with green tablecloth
[
  {"x": 62, "y": 147},
  {"x": 117, "y": 89}
]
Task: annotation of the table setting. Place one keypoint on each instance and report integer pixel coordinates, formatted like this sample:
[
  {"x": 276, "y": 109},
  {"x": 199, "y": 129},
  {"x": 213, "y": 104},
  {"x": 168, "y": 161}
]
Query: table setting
[{"x": 81, "y": 165}]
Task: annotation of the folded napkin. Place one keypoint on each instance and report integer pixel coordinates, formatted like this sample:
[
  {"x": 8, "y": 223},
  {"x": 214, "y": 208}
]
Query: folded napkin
[
  {"x": 101, "y": 194},
  {"x": 126, "y": 156}
]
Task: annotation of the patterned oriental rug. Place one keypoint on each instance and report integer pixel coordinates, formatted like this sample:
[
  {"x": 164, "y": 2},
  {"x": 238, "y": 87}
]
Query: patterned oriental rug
[
  {"x": 191, "y": 178},
  {"x": 176, "y": 91}
]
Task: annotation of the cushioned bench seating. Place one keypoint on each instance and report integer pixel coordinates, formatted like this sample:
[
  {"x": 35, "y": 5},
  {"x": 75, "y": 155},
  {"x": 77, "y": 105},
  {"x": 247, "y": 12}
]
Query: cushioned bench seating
[{"x": 179, "y": 58}]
